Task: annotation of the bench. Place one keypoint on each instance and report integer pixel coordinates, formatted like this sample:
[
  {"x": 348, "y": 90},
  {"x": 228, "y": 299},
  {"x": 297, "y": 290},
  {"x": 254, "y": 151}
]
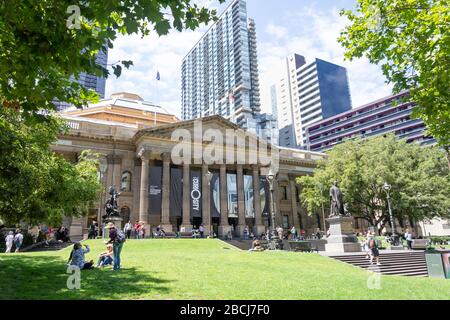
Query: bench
[
  {"x": 302, "y": 246},
  {"x": 420, "y": 244}
]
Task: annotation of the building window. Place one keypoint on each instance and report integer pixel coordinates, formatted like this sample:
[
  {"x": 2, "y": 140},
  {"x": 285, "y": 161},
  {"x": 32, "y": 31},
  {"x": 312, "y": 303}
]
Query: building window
[
  {"x": 284, "y": 193},
  {"x": 125, "y": 182}
]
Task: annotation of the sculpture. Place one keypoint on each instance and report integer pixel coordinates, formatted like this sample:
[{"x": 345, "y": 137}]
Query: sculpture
[
  {"x": 337, "y": 203},
  {"x": 111, "y": 207}
]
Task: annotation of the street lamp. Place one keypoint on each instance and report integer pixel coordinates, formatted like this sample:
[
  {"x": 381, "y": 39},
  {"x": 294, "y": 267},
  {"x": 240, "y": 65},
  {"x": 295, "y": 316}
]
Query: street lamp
[
  {"x": 271, "y": 180},
  {"x": 323, "y": 209},
  {"x": 387, "y": 188},
  {"x": 102, "y": 170}
]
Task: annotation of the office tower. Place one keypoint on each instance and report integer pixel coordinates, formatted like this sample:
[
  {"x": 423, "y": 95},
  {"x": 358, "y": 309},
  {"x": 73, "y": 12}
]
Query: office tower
[
  {"x": 307, "y": 93},
  {"x": 386, "y": 115},
  {"x": 220, "y": 73},
  {"x": 90, "y": 81}
]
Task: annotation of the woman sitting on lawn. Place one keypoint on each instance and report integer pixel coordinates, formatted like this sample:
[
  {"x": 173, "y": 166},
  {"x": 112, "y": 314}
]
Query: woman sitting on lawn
[
  {"x": 77, "y": 257},
  {"x": 106, "y": 258}
]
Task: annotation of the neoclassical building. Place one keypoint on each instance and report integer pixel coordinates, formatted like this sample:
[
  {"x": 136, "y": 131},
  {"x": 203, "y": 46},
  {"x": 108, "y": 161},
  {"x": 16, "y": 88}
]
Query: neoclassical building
[{"x": 162, "y": 183}]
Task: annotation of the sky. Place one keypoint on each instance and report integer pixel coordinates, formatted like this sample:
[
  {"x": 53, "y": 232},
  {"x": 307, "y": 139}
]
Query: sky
[{"x": 283, "y": 27}]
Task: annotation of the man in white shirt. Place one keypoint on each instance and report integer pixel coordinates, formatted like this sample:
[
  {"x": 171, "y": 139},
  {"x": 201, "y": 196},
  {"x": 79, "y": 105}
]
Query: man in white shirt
[
  {"x": 409, "y": 239},
  {"x": 9, "y": 241}
]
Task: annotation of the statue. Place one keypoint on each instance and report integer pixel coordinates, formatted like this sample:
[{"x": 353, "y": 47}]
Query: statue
[
  {"x": 337, "y": 203},
  {"x": 111, "y": 206}
]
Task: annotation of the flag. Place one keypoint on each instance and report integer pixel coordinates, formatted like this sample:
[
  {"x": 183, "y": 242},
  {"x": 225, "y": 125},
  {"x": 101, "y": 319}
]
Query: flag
[{"x": 158, "y": 76}]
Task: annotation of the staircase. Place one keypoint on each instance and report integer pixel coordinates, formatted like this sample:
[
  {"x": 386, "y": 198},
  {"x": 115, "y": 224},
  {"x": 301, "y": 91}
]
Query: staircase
[
  {"x": 241, "y": 244},
  {"x": 409, "y": 263}
]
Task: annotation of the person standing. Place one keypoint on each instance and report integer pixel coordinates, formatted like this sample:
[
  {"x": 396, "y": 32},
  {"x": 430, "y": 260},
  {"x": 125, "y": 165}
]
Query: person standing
[
  {"x": 9, "y": 241},
  {"x": 246, "y": 233},
  {"x": 409, "y": 239},
  {"x": 201, "y": 229},
  {"x": 137, "y": 230},
  {"x": 18, "y": 240},
  {"x": 293, "y": 234},
  {"x": 127, "y": 229},
  {"x": 117, "y": 239}
]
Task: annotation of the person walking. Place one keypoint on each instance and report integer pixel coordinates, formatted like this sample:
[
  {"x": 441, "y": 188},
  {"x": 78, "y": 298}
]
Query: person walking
[
  {"x": 374, "y": 251},
  {"x": 137, "y": 230},
  {"x": 201, "y": 229},
  {"x": 409, "y": 239},
  {"x": 127, "y": 229},
  {"x": 9, "y": 241},
  {"x": 246, "y": 233},
  {"x": 18, "y": 240},
  {"x": 117, "y": 238}
]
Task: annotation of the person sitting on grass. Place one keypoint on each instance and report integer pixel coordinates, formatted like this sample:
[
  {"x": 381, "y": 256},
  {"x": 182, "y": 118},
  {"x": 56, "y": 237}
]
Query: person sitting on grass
[
  {"x": 106, "y": 258},
  {"x": 77, "y": 257},
  {"x": 256, "y": 246}
]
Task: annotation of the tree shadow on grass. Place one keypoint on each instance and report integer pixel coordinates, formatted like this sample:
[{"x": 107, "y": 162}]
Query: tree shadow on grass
[{"x": 44, "y": 277}]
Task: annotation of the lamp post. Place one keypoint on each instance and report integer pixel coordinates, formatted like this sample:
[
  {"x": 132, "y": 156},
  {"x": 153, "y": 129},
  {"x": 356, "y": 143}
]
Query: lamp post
[
  {"x": 387, "y": 188},
  {"x": 209, "y": 176},
  {"x": 102, "y": 169},
  {"x": 271, "y": 180},
  {"x": 323, "y": 209}
]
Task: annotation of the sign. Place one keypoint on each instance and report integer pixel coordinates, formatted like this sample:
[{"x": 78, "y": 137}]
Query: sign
[
  {"x": 196, "y": 194},
  {"x": 176, "y": 191}
]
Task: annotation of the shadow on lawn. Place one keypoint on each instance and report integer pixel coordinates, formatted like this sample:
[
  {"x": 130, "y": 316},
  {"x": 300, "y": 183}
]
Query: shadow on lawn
[{"x": 26, "y": 277}]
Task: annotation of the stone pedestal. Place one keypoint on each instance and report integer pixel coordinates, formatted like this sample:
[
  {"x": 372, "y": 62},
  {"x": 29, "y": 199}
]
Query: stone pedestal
[
  {"x": 342, "y": 238},
  {"x": 117, "y": 222}
]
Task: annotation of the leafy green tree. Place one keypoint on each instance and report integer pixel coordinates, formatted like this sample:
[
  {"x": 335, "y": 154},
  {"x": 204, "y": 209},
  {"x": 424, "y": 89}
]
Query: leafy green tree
[
  {"x": 419, "y": 177},
  {"x": 36, "y": 184},
  {"x": 411, "y": 41},
  {"x": 45, "y": 44}
]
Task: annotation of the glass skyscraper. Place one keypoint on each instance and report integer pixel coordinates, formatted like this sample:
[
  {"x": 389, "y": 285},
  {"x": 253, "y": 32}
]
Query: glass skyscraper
[
  {"x": 220, "y": 74},
  {"x": 90, "y": 81},
  {"x": 307, "y": 93}
]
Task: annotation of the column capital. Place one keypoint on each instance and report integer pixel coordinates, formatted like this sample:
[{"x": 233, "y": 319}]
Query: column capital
[
  {"x": 292, "y": 176},
  {"x": 144, "y": 154},
  {"x": 166, "y": 156}
]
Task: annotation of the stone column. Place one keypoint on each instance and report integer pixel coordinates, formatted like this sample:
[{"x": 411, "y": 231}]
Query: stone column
[
  {"x": 165, "y": 216},
  {"x": 187, "y": 225},
  {"x": 206, "y": 206},
  {"x": 241, "y": 200},
  {"x": 117, "y": 173},
  {"x": 224, "y": 225},
  {"x": 294, "y": 200},
  {"x": 144, "y": 196},
  {"x": 259, "y": 227}
]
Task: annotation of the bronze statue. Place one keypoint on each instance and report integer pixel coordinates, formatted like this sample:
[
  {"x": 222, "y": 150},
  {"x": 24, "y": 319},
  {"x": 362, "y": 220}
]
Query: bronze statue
[
  {"x": 111, "y": 206},
  {"x": 336, "y": 201}
]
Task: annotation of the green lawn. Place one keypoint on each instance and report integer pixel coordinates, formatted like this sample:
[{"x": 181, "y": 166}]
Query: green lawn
[{"x": 204, "y": 269}]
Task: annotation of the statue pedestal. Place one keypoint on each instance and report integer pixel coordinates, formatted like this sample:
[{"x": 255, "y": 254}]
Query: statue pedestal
[
  {"x": 117, "y": 222},
  {"x": 342, "y": 238}
]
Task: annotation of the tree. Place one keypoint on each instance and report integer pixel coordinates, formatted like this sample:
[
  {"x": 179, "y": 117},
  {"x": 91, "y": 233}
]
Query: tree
[
  {"x": 411, "y": 41},
  {"x": 36, "y": 184},
  {"x": 419, "y": 177},
  {"x": 46, "y": 44}
]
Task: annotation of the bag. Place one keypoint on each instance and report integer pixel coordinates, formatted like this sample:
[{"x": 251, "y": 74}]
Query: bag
[{"x": 121, "y": 238}]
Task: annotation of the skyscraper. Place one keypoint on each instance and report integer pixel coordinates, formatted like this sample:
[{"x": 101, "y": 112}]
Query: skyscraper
[
  {"x": 90, "y": 81},
  {"x": 308, "y": 93},
  {"x": 220, "y": 74}
]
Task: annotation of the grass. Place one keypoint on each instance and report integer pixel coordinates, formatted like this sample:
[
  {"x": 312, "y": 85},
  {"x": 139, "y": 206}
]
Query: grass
[{"x": 204, "y": 269}]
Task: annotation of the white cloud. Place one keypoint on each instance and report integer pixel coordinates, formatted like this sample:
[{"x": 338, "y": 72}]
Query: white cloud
[
  {"x": 317, "y": 39},
  {"x": 310, "y": 32}
]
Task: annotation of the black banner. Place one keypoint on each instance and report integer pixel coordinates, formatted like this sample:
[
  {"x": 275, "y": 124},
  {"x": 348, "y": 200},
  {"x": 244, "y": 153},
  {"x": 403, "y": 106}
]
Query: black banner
[
  {"x": 155, "y": 190},
  {"x": 176, "y": 192},
  {"x": 265, "y": 195},
  {"x": 215, "y": 195},
  {"x": 196, "y": 193}
]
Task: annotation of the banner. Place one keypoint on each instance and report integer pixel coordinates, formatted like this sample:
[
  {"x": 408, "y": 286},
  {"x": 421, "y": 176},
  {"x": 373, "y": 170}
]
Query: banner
[
  {"x": 215, "y": 195},
  {"x": 155, "y": 190},
  {"x": 176, "y": 192},
  {"x": 264, "y": 196},
  {"x": 196, "y": 193}
]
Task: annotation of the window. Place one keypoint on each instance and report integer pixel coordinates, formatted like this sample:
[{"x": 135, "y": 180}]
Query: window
[{"x": 125, "y": 182}]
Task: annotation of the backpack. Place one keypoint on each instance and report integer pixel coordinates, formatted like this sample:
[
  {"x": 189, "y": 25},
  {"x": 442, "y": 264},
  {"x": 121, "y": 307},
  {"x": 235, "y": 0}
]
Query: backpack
[
  {"x": 121, "y": 238},
  {"x": 373, "y": 243}
]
